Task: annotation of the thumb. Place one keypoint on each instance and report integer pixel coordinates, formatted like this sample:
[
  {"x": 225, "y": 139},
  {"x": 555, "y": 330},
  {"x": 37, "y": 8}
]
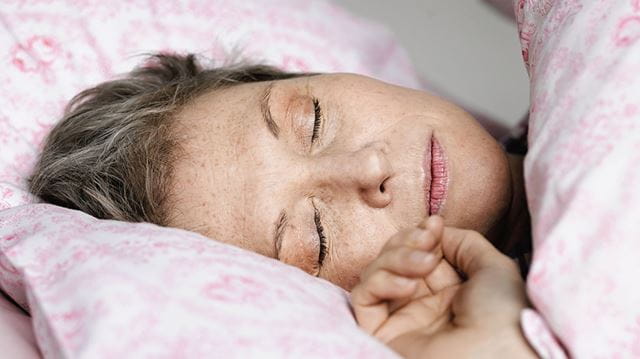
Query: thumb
[
  {"x": 470, "y": 252},
  {"x": 494, "y": 292}
]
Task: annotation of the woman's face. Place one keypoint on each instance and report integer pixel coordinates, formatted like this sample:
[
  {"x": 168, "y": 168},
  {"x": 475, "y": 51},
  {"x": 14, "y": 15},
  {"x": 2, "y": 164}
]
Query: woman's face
[{"x": 320, "y": 171}]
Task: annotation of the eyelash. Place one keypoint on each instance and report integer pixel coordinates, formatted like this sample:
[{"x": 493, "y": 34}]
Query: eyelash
[
  {"x": 318, "y": 120},
  {"x": 323, "y": 239},
  {"x": 317, "y": 123}
]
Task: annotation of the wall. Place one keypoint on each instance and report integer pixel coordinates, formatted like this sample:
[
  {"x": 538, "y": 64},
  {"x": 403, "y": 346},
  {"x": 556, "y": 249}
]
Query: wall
[{"x": 463, "y": 47}]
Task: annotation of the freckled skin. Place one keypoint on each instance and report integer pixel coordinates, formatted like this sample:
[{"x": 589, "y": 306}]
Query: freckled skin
[{"x": 235, "y": 177}]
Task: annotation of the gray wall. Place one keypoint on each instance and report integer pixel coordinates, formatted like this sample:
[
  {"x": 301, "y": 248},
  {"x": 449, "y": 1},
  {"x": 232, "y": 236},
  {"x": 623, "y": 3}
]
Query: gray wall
[{"x": 462, "y": 47}]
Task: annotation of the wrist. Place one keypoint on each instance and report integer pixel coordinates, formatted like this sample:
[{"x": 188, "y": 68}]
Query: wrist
[
  {"x": 502, "y": 343},
  {"x": 517, "y": 346}
]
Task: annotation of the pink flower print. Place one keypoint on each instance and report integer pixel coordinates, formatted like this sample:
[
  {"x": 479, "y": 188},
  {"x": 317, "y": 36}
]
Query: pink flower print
[
  {"x": 628, "y": 31},
  {"x": 232, "y": 288},
  {"x": 7, "y": 192},
  {"x": 36, "y": 55},
  {"x": 23, "y": 61},
  {"x": 542, "y": 8}
]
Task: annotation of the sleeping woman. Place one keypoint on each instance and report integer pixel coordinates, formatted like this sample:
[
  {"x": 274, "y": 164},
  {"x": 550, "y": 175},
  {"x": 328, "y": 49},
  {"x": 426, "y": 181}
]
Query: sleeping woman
[{"x": 391, "y": 193}]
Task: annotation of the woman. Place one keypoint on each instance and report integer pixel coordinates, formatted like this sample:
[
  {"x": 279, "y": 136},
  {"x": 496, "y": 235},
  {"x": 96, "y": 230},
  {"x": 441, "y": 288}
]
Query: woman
[{"x": 316, "y": 170}]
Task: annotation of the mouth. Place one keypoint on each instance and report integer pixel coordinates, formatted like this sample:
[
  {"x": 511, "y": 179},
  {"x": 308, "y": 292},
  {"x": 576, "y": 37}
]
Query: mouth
[{"x": 436, "y": 177}]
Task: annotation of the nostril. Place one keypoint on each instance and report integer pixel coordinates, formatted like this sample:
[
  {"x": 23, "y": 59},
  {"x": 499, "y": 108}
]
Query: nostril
[{"x": 383, "y": 187}]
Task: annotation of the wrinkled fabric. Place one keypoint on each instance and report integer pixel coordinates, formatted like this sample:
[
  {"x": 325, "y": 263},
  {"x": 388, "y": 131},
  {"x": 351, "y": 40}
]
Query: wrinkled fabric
[
  {"x": 103, "y": 289},
  {"x": 582, "y": 175},
  {"x": 110, "y": 289}
]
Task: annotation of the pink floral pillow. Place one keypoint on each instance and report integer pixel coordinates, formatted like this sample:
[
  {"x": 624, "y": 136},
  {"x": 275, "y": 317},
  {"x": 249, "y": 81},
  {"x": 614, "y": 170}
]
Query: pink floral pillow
[
  {"x": 582, "y": 174},
  {"x": 106, "y": 289}
]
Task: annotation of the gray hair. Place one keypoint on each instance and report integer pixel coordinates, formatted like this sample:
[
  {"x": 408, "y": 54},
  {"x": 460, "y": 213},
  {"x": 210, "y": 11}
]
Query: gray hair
[{"x": 113, "y": 152}]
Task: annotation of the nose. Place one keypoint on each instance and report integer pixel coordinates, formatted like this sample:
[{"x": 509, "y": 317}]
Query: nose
[{"x": 365, "y": 171}]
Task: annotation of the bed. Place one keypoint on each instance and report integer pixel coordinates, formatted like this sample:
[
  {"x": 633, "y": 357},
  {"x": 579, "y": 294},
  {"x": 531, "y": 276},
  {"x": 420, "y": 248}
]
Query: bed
[{"x": 98, "y": 288}]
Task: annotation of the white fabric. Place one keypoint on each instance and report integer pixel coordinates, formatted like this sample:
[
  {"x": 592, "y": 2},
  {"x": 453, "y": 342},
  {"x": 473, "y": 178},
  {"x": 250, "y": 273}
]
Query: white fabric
[
  {"x": 100, "y": 289},
  {"x": 108, "y": 289},
  {"x": 582, "y": 175}
]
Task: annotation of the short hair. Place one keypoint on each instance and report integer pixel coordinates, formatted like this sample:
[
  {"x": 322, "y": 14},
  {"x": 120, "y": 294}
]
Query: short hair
[{"x": 112, "y": 153}]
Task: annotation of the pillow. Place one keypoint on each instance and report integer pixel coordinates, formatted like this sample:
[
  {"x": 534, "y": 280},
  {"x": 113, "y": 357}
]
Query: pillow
[
  {"x": 582, "y": 173},
  {"x": 56, "y": 49},
  {"x": 213, "y": 298},
  {"x": 108, "y": 289}
]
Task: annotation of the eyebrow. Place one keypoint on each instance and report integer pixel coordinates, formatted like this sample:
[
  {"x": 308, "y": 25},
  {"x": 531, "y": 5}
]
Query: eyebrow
[
  {"x": 265, "y": 108},
  {"x": 281, "y": 226}
]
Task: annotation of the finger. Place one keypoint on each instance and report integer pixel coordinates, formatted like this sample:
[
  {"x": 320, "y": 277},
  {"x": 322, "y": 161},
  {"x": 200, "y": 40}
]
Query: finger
[
  {"x": 369, "y": 299},
  {"x": 470, "y": 252},
  {"x": 494, "y": 292},
  {"x": 418, "y": 238},
  {"x": 382, "y": 286},
  {"x": 434, "y": 224},
  {"x": 404, "y": 261},
  {"x": 492, "y": 297},
  {"x": 442, "y": 276}
]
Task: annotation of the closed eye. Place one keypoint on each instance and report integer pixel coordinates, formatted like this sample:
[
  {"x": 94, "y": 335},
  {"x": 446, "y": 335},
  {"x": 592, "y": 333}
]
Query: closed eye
[
  {"x": 322, "y": 253},
  {"x": 317, "y": 122}
]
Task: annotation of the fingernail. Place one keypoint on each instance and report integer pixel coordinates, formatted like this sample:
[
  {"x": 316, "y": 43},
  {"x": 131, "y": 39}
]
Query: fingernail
[{"x": 419, "y": 257}]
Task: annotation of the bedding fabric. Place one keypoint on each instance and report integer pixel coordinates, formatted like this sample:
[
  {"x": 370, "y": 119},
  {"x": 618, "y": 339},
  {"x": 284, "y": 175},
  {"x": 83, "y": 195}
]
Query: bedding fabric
[
  {"x": 109, "y": 289},
  {"x": 582, "y": 175},
  {"x": 106, "y": 289},
  {"x": 16, "y": 334}
]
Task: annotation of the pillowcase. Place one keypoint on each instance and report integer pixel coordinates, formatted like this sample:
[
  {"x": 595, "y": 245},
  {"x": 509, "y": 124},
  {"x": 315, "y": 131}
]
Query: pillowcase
[
  {"x": 582, "y": 174},
  {"x": 112, "y": 278},
  {"x": 56, "y": 49},
  {"x": 109, "y": 289}
]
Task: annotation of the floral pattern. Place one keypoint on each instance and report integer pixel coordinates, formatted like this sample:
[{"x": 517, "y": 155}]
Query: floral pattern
[
  {"x": 108, "y": 289},
  {"x": 582, "y": 176},
  {"x": 103, "y": 289}
]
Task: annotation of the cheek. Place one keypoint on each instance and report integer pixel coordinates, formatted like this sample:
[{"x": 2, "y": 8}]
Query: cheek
[
  {"x": 357, "y": 249},
  {"x": 348, "y": 275},
  {"x": 481, "y": 188}
]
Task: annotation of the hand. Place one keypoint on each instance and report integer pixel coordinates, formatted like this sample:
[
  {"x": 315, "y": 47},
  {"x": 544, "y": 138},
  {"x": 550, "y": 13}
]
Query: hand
[
  {"x": 485, "y": 310},
  {"x": 408, "y": 287}
]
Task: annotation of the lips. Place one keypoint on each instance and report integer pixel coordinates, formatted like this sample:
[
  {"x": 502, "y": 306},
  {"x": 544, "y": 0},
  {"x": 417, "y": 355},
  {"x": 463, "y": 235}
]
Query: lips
[{"x": 435, "y": 177}]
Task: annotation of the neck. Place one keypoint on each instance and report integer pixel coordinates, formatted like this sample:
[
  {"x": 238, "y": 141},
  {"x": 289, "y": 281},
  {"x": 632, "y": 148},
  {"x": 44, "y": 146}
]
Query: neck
[{"x": 515, "y": 235}]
